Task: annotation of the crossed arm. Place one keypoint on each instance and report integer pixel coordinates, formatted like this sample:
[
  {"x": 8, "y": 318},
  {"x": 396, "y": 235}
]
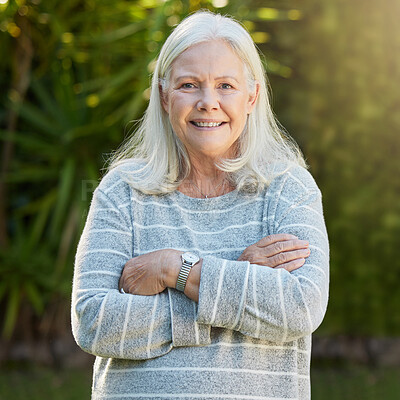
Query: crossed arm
[
  {"x": 264, "y": 294},
  {"x": 152, "y": 273}
]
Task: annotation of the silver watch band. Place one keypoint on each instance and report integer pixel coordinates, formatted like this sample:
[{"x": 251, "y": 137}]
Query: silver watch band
[
  {"x": 183, "y": 276},
  {"x": 188, "y": 260}
]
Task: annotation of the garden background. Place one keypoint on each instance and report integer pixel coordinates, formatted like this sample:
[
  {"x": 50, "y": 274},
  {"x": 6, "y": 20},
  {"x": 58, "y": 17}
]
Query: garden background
[{"x": 74, "y": 74}]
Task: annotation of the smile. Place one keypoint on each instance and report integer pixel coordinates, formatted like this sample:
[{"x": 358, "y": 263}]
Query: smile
[{"x": 206, "y": 124}]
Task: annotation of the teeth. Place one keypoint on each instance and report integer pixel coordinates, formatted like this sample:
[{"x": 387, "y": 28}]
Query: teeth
[{"x": 207, "y": 124}]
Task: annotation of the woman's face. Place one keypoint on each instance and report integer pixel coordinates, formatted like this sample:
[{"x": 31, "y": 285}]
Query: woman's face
[{"x": 208, "y": 100}]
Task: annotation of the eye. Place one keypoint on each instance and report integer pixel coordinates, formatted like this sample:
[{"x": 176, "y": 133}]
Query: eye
[
  {"x": 226, "y": 86},
  {"x": 187, "y": 85}
]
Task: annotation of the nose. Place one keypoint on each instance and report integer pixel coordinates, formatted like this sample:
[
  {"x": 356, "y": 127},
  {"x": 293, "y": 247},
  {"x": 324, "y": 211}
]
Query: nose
[{"x": 208, "y": 100}]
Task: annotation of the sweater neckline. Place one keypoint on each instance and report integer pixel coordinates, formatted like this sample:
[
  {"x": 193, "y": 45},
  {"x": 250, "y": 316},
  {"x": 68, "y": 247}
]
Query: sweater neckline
[{"x": 211, "y": 202}]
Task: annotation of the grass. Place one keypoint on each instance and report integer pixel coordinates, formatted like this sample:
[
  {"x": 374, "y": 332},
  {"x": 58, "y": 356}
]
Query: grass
[
  {"x": 21, "y": 382},
  {"x": 355, "y": 382},
  {"x": 28, "y": 382}
]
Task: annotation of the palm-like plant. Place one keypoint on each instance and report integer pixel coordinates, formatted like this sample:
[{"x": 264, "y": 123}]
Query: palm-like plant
[{"x": 85, "y": 78}]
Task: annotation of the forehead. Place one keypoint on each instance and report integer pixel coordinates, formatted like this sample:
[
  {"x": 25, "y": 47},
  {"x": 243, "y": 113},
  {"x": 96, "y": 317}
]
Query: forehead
[{"x": 211, "y": 58}]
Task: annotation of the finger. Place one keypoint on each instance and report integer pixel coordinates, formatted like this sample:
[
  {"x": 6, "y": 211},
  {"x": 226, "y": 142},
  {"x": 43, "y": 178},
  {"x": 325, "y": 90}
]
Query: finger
[
  {"x": 292, "y": 265},
  {"x": 283, "y": 258},
  {"x": 281, "y": 247},
  {"x": 271, "y": 239}
]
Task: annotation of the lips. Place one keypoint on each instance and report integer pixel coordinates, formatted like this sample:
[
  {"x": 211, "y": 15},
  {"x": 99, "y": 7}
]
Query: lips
[{"x": 200, "y": 124}]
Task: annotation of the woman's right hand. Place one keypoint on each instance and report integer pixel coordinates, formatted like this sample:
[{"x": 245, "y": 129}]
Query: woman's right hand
[{"x": 278, "y": 251}]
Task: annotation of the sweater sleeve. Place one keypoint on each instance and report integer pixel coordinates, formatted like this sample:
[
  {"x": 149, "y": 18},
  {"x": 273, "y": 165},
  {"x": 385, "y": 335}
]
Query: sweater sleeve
[
  {"x": 269, "y": 303},
  {"x": 105, "y": 322}
]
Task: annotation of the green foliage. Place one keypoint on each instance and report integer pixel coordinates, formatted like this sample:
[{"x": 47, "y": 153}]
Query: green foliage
[
  {"x": 35, "y": 382},
  {"x": 340, "y": 104},
  {"x": 78, "y": 71},
  {"x": 354, "y": 382}
]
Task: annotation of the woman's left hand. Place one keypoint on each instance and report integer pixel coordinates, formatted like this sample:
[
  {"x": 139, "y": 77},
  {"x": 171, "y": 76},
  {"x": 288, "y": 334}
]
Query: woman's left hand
[
  {"x": 147, "y": 274},
  {"x": 278, "y": 251}
]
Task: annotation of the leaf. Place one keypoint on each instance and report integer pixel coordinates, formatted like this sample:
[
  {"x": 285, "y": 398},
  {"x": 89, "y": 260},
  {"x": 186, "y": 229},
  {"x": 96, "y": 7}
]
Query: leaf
[
  {"x": 10, "y": 317},
  {"x": 31, "y": 174},
  {"x": 47, "y": 103},
  {"x": 37, "y": 118},
  {"x": 29, "y": 141},
  {"x": 34, "y": 297},
  {"x": 41, "y": 218},
  {"x": 64, "y": 192},
  {"x": 113, "y": 36}
]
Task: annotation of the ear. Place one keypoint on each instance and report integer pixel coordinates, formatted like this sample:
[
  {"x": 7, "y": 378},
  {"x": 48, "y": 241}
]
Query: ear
[
  {"x": 163, "y": 98},
  {"x": 253, "y": 98}
]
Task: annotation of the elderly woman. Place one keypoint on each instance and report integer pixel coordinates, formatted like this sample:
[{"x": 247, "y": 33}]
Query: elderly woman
[{"x": 203, "y": 266}]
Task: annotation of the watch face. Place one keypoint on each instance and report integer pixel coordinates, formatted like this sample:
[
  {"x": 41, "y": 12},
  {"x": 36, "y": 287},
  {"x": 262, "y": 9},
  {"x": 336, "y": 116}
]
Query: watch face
[{"x": 190, "y": 257}]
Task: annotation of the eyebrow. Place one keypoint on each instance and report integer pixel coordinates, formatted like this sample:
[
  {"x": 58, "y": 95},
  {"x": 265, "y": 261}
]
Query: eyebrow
[{"x": 195, "y": 78}]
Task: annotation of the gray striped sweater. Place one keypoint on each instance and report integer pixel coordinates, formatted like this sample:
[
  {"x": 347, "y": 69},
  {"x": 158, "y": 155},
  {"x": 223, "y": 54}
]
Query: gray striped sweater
[{"x": 249, "y": 337}]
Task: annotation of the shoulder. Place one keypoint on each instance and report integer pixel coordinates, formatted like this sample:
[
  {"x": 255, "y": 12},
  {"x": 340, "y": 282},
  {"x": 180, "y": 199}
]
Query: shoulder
[
  {"x": 115, "y": 183},
  {"x": 293, "y": 181}
]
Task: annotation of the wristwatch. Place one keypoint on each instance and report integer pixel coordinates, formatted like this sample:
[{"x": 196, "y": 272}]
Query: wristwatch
[{"x": 188, "y": 260}]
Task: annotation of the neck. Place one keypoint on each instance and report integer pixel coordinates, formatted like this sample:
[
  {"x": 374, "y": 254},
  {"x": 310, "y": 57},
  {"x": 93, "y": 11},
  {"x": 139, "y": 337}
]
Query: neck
[{"x": 205, "y": 181}]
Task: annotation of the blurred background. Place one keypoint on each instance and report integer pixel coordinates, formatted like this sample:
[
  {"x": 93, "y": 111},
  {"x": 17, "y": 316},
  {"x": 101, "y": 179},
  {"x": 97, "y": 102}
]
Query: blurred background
[{"x": 74, "y": 74}]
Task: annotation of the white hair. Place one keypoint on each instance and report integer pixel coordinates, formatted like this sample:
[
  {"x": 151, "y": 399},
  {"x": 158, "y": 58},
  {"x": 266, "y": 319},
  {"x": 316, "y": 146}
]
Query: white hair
[{"x": 162, "y": 156}]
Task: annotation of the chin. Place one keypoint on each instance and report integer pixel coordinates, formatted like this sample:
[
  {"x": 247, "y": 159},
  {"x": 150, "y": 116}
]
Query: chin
[{"x": 215, "y": 153}]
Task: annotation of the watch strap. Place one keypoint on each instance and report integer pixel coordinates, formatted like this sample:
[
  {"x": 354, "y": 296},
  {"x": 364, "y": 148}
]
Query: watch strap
[{"x": 183, "y": 276}]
